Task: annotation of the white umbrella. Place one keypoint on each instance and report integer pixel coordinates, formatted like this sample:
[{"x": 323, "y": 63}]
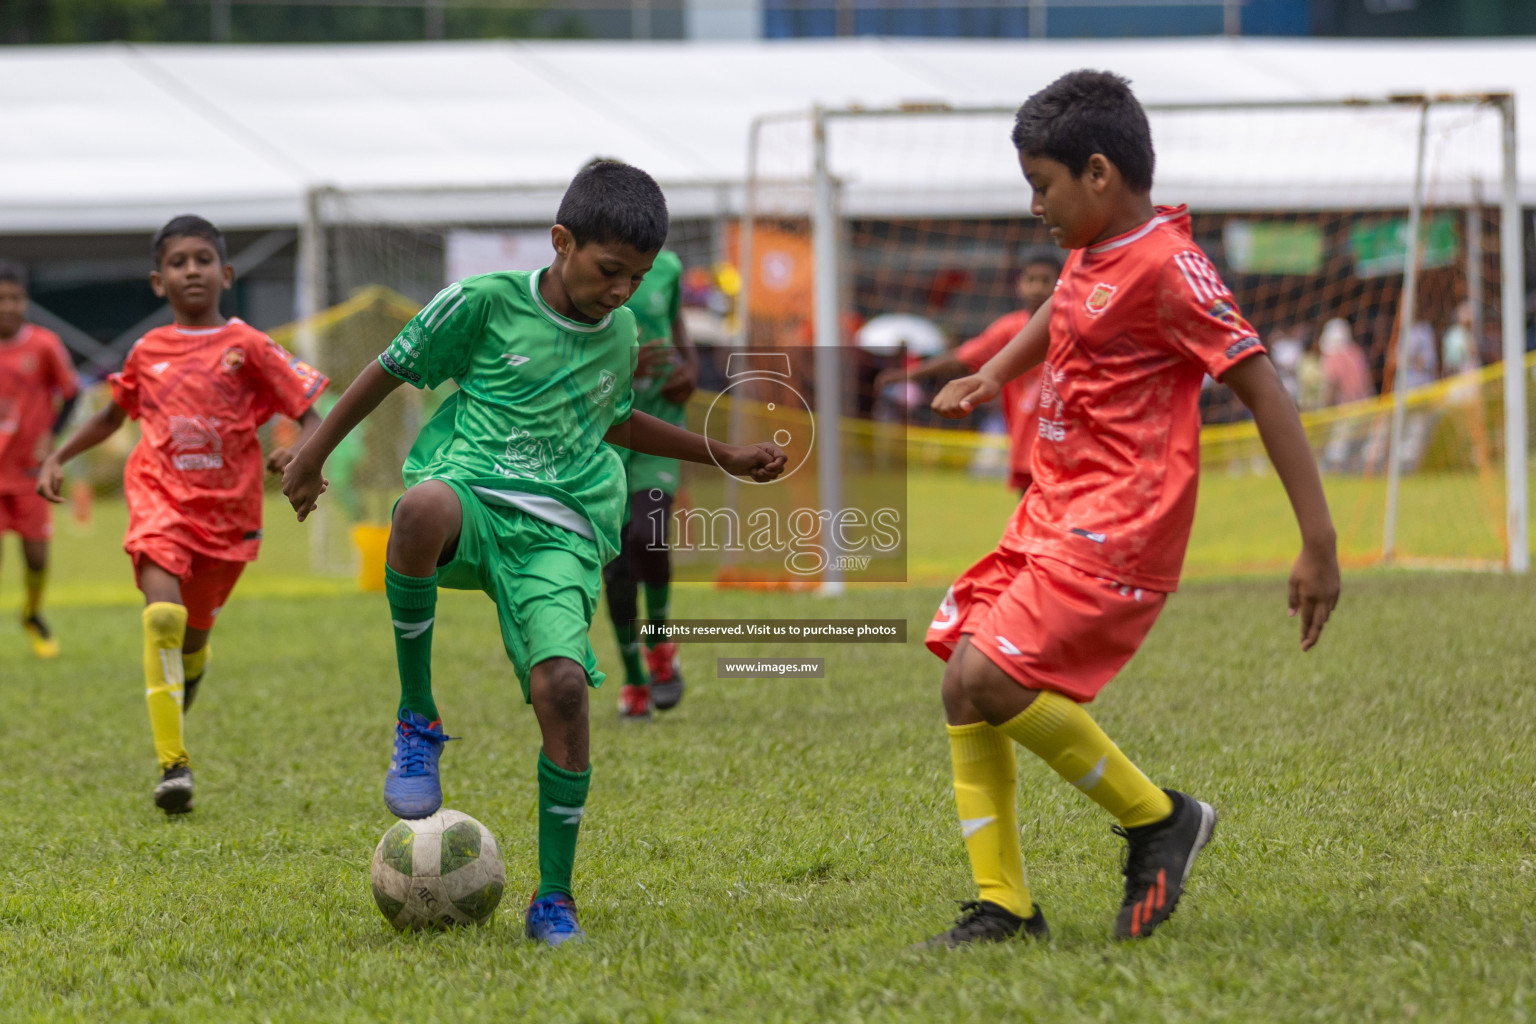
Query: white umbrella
[{"x": 892, "y": 330}]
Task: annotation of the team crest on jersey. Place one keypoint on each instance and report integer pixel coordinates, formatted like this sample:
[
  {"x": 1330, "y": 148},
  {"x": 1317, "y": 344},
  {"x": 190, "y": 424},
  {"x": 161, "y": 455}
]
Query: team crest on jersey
[
  {"x": 234, "y": 358},
  {"x": 603, "y": 393},
  {"x": 1098, "y": 299}
]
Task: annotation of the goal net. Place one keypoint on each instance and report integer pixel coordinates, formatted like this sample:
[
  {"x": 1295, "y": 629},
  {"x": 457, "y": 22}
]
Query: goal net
[{"x": 1305, "y": 211}]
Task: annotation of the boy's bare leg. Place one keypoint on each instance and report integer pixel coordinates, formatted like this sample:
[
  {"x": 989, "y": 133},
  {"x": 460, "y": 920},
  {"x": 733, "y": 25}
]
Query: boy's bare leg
[
  {"x": 558, "y": 690},
  {"x": 424, "y": 532},
  {"x": 35, "y": 556},
  {"x": 165, "y": 630},
  {"x": 1165, "y": 829}
]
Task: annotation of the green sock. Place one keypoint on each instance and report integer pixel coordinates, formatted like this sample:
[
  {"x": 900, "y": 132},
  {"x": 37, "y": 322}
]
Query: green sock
[
  {"x": 657, "y": 596},
  {"x": 412, "y": 607},
  {"x": 629, "y": 650},
  {"x": 562, "y": 797}
]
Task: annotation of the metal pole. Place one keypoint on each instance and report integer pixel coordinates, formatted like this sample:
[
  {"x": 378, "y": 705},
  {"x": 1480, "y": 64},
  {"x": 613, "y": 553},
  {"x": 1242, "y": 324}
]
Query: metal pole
[
  {"x": 640, "y": 19},
  {"x": 1232, "y": 18},
  {"x": 1405, "y": 322},
  {"x": 1037, "y": 28},
  {"x": 432, "y": 13},
  {"x": 311, "y": 300},
  {"x": 1475, "y": 265},
  {"x": 219, "y": 21},
  {"x": 829, "y": 392},
  {"x": 1512, "y": 258}
]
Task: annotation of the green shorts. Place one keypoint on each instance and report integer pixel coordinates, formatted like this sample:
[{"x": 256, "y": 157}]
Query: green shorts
[
  {"x": 650, "y": 472},
  {"x": 544, "y": 579}
]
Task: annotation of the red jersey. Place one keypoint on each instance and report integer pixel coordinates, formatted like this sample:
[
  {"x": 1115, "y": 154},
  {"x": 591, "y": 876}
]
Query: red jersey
[
  {"x": 1020, "y": 397},
  {"x": 200, "y": 394},
  {"x": 35, "y": 373},
  {"x": 1136, "y": 323}
]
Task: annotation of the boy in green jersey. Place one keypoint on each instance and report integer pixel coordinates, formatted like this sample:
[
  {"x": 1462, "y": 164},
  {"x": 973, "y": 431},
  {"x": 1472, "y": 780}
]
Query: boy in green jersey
[
  {"x": 667, "y": 375},
  {"x": 512, "y": 489}
]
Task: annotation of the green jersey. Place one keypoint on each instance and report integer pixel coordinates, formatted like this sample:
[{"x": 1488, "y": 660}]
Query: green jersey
[
  {"x": 656, "y": 305},
  {"x": 536, "y": 393}
]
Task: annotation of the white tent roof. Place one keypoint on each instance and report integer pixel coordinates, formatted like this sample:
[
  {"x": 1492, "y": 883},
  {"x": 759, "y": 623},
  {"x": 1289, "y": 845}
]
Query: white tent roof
[{"x": 121, "y": 137}]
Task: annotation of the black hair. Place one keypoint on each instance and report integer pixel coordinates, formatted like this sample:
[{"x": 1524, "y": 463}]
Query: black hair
[
  {"x": 1083, "y": 113},
  {"x": 1041, "y": 254},
  {"x": 188, "y": 226},
  {"x": 611, "y": 201},
  {"x": 13, "y": 272}
]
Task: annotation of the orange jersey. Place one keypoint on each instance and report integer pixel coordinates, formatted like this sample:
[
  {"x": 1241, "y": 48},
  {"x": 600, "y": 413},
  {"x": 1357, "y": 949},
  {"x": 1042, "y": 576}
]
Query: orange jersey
[
  {"x": 35, "y": 373},
  {"x": 1136, "y": 323},
  {"x": 1020, "y": 397},
  {"x": 194, "y": 479}
]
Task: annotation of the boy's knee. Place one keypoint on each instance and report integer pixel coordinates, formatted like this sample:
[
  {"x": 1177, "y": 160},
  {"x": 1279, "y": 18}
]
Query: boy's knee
[
  {"x": 560, "y": 684},
  {"x": 425, "y": 524},
  {"x": 162, "y": 618},
  {"x": 425, "y": 507},
  {"x": 953, "y": 690}
]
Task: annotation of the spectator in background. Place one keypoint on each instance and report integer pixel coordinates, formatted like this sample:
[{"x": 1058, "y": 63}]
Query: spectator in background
[
  {"x": 1286, "y": 350},
  {"x": 1459, "y": 346},
  {"x": 1311, "y": 390},
  {"x": 1419, "y": 355},
  {"x": 1346, "y": 375}
]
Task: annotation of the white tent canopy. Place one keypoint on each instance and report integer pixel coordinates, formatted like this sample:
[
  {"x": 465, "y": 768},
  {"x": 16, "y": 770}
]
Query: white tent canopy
[{"x": 119, "y": 137}]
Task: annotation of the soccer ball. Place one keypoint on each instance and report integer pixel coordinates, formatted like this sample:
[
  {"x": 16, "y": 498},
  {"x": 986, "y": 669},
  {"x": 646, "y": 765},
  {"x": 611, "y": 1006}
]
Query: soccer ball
[{"x": 437, "y": 872}]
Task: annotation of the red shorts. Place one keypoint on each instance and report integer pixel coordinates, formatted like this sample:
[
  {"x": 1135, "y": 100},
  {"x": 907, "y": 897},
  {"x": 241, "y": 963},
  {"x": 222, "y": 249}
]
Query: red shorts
[
  {"x": 205, "y": 581},
  {"x": 1046, "y": 624},
  {"x": 28, "y": 515}
]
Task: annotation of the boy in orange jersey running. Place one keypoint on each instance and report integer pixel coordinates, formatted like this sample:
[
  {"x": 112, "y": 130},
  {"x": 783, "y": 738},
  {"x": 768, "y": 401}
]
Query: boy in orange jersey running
[
  {"x": 200, "y": 388},
  {"x": 37, "y": 384},
  {"x": 1035, "y": 629}
]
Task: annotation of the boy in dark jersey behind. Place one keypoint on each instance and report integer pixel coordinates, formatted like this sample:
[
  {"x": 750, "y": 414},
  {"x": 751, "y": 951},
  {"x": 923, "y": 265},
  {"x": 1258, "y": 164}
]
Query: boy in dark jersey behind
[{"x": 1034, "y": 630}]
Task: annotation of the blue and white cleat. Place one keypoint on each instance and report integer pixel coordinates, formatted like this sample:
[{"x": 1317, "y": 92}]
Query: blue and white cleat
[
  {"x": 552, "y": 920},
  {"x": 412, "y": 789}
]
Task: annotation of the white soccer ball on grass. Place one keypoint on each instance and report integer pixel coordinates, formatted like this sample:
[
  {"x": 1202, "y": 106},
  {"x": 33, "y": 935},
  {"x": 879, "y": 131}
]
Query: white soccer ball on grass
[{"x": 437, "y": 872}]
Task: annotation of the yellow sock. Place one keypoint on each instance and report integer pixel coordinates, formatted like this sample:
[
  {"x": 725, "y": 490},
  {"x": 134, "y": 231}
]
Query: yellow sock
[
  {"x": 195, "y": 664},
  {"x": 986, "y": 781},
  {"x": 165, "y": 627},
  {"x": 1062, "y": 734},
  {"x": 36, "y": 580}
]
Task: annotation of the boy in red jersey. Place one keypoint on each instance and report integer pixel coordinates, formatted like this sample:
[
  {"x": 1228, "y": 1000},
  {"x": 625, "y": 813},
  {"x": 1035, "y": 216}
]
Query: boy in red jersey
[
  {"x": 200, "y": 388},
  {"x": 1021, "y": 395},
  {"x": 1038, "y": 626},
  {"x": 37, "y": 382}
]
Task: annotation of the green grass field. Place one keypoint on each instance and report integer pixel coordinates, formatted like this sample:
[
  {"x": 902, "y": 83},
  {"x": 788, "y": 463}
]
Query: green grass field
[{"x": 769, "y": 850}]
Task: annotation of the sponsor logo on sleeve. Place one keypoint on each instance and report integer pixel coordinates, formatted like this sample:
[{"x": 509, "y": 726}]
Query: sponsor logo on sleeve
[
  {"x": 1224, "y": 311},
  {"x": 1097, "y": 538}
]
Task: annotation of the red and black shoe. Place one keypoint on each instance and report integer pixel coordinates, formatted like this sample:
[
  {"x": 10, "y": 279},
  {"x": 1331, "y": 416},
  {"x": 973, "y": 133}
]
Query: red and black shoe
[
  {"x": 1157, "y": 862},
  {"x": 666, "y": 673},
  {"x": 634, "y": 703}
]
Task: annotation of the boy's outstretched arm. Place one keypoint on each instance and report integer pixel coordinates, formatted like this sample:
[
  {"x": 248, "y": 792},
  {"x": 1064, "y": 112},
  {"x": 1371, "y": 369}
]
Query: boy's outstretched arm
[
  {"x": 302, "y": 480},
  {"x": 1314, "y": 585},
  {"x": 645, "y": 433},
  {"x": 50, "y": 476},
  {"x": 1026, "y": 351},
  {"x": 310, "y": 422}
]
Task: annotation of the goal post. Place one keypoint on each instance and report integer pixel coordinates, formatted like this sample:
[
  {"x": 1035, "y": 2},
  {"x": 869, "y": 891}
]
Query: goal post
[{"x": 1307, "y": 208}]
